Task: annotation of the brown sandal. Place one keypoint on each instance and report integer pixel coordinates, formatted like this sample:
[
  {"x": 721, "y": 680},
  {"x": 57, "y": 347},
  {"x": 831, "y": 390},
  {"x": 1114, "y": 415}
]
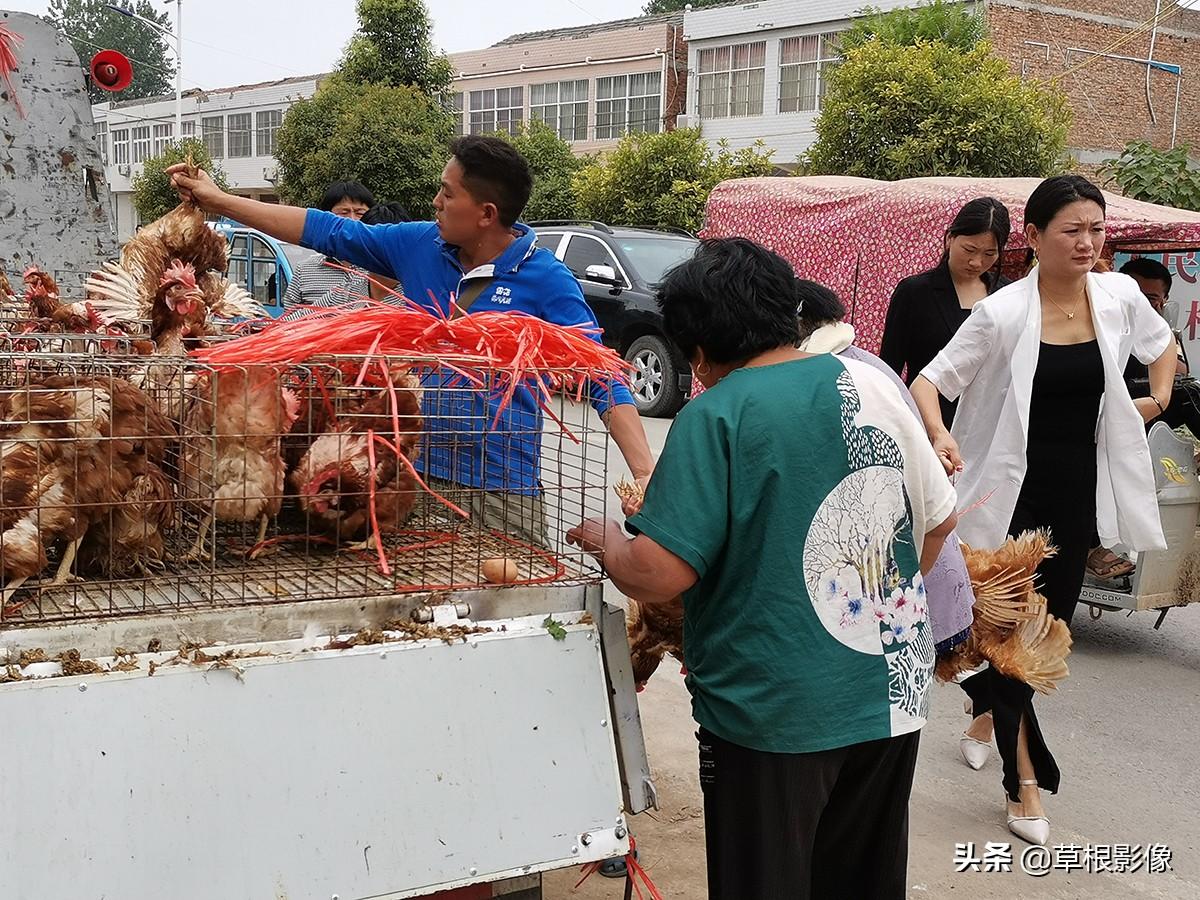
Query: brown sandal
[{"x": 1106, "y": 565}]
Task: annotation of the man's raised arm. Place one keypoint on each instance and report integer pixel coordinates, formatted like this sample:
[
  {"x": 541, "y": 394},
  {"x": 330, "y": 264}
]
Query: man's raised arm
[{"x": 283, "y": 222}]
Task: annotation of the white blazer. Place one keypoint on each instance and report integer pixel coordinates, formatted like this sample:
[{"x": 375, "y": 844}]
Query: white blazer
[{"x": 990, "y": 362}]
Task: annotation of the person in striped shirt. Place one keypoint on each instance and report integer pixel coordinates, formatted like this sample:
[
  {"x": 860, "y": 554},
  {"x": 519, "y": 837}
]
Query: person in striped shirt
[
  {"x": 315, "y": 278},
  {"x": 359, "y": 283}
]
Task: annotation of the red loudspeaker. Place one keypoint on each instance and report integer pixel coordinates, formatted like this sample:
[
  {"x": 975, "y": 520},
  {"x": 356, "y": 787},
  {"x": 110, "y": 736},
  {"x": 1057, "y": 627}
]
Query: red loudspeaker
[{"x": 112, "y": 71}]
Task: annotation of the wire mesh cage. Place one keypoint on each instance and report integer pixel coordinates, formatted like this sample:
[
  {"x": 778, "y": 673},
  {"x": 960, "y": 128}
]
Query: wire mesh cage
[{"x": 134, "y": 484}]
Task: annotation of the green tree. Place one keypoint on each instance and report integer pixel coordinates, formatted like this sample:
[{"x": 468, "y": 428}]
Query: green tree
[
  {"x": 950, "y": 22},
  {"x": 378, "y": 119},
  {"x": 153, "y": 196},
  {"x": 663, "y": 180},
  {"x": 91, "y": 27},
  {"x": 392, "y": 139},
  {"x": 394, "y": 46},
  {"x": 930, "y": 109},
  {"x": 1167, "y": 177},
  {"x": 553, "y": 166},
  {"x": 656, "y": 7}
]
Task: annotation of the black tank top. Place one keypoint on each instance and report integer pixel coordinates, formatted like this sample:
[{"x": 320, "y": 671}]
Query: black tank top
[{"x": 1067, "y": 387}]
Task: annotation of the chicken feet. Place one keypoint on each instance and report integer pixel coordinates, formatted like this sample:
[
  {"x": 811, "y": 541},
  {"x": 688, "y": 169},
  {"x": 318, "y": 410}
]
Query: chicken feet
[
  {"x": 198, "y": 551},
  {"x": 9, "y": 590},
  {"x": 259, "y": 548},
  {"x": 63, "y": 575},
  {"x": 369, "y": 545}
]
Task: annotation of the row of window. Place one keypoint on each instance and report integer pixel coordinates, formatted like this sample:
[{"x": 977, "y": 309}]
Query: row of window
[
  {"x": 224, "y": 137},
  {"x": 731, "y": 82},
  {"x": 730, "y": 79},
  {"x": 622, "y": 103}
]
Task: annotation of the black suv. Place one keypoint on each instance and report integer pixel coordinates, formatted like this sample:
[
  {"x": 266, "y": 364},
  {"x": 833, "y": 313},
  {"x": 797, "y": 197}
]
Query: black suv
[{"x": 617, "y": 269}]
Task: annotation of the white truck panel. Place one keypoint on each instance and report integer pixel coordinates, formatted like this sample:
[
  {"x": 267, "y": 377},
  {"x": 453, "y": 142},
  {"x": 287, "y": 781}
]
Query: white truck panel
[{"x": 312, "y": 775}]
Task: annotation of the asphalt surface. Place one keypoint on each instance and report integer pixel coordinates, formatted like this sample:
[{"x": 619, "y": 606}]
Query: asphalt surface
[{"x": 1125, "y": 728}]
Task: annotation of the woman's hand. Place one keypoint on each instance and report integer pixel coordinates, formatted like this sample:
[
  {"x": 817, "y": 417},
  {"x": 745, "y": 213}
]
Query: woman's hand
[
  {"x": 1148, "y": 408},
  {"x": 946, "y": 449},
  {"x": 593, "y": 535}
]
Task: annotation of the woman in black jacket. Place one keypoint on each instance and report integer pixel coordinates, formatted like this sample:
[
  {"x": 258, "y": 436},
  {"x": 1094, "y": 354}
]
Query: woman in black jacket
[{"x": 927, "y": 309}]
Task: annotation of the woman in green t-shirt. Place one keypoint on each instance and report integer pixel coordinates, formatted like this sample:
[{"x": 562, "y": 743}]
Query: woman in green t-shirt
[{"x": 796, "y": 504}]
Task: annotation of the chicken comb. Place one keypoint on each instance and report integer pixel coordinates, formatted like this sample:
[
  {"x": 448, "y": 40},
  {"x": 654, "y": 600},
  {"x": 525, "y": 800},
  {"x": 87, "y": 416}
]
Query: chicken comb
[
  {"x": 291, "y": 405},
  {"x": 179, "y": 272}
]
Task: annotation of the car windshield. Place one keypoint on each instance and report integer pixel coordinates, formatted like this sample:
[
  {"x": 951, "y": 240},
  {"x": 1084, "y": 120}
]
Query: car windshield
[{"x": 653, "y": 257}]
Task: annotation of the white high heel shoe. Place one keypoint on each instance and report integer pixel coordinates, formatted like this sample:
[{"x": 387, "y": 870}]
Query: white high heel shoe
[
  {"x": 1034, "y": 829},
  {"x": 975, "y": 753}
]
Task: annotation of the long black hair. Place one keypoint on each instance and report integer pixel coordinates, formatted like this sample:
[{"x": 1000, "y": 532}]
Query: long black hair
[
  {"x": 983, "y": 215},
  {"x": 1054, "y": 193}
]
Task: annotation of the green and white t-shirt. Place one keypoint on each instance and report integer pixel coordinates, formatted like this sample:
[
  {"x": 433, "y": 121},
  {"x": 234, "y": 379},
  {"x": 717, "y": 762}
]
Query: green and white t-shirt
[{"x": 801, "y": 493}]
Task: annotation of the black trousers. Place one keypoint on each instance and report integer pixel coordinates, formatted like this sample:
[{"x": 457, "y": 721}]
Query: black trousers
[
  {"x": 1059, "y": 493},
  {"x": 807, "y": 826}
]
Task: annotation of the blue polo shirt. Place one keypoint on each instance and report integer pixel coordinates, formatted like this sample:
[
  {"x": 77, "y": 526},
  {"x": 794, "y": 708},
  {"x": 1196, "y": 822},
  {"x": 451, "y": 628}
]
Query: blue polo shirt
[{"x": 463, "y": 447}]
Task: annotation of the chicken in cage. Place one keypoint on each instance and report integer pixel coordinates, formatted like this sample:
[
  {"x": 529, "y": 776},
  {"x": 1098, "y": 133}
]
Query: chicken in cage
[
  {"x": 248, "y": 484},
  {"x": 81, "y": 454},
  {"x": 349, "y": 454}
]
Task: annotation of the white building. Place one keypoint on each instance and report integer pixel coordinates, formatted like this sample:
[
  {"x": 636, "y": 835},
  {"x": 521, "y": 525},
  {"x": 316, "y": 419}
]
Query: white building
[
  {"x": 238, "y": 126},
  {"x": 758, "y": 70}
]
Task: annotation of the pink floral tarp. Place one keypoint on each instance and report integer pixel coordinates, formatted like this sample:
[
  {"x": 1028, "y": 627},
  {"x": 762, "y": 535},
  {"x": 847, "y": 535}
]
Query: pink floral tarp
[{"x": 861, "y": 237}]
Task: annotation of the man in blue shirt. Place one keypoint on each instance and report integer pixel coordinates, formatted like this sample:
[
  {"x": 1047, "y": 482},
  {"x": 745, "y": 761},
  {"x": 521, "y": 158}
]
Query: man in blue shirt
[{"x": 475, "y": 255}]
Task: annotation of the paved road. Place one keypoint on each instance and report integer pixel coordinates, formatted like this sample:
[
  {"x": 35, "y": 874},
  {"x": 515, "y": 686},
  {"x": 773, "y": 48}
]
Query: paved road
[{"x": 1126, "y": 731}]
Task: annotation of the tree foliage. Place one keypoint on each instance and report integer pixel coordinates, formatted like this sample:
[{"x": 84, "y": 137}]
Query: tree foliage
[
  {"x": 553, "y": 166},
  {"x": 657, "y": 7},
  {"x": 931, "y": 109},
  {"x": 394, "y": 46},
  {"x": 392, "y": 139},
  {"x": 663, "y": 180},
  {"x": 153, "y": 196},
  {"x": 90, "y": 27},
  {"x": 950, "y": 22},
  {"x": 1166, "y": 177},
  {"x": 377, "y": 120}
]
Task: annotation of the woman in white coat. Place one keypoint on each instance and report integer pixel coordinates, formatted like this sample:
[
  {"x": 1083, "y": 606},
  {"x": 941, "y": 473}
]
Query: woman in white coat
[{"x": 1047, "y": 437}]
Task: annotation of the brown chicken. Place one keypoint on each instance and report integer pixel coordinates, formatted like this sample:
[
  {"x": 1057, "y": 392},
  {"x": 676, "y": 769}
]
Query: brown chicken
[
  {"x": 333, "y": 480},
  {"x": 131, "y": 538},
  {"x": 129, "y": 288},
  {"x": 181, "y": 236},
  {"x": 653, "y": 632},
  {"x": 1012, "y": 628},
  {"x": 71, "y": 451},
  {"x": 231, "y": 463},
  {"x": 177, "y": 318},
  {"x": 48, "y": 311}
]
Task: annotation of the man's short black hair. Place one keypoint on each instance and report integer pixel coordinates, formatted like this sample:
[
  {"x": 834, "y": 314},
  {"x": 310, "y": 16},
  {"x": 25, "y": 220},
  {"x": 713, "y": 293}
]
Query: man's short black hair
[
  {"x": 818, "y": 306},
  {"x": 1150, "y": 269},
  {"x": 494, "y": 171},
  {"x": 345, "y": 190},
  {"x": 733, "y": 298},
  {"x": 386, "y": 214}
]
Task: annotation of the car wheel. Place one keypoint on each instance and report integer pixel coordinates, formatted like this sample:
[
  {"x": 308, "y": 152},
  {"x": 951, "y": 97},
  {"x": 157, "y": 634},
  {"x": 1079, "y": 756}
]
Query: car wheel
[{"x": 655, "y": 377}]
